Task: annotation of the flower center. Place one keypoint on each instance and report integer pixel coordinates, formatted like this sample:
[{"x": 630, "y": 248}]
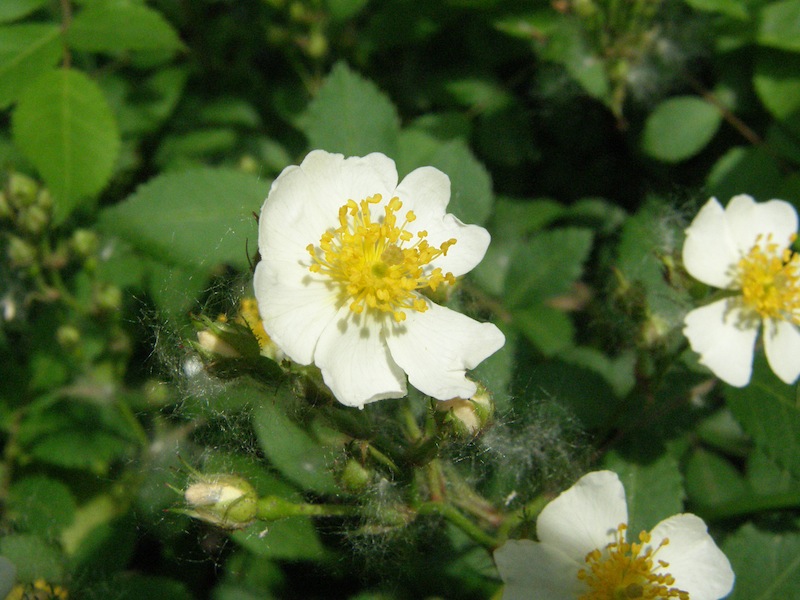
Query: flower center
[
  {"x": 770, "y": 281},
  {"x": 378, "y": 264},
  {"x": 624, "y": 571}
]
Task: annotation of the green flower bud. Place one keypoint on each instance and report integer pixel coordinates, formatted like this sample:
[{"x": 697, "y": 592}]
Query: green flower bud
[
  {"x": 23, "y": 190},
  {"x": 227, "y": 501},
  {"x": 585, "y": 8},
  {"x": 298, "y": 12},
  {"x": 20, "y": 252},
  {"x": 44, "y": 199},
  {"x": 466, "y": 417},
  {"x": 220, "y": 339},
  {"x": 84, "y": 242},
  {"x": 68, "y": 336},
  {"x": 354, "y": 477},
  {"x": 33, "y": 219},
  {"x": 108, "y": 298},
  {"x": 248, "y": 164},
  {"x": 316, "y": 45}
]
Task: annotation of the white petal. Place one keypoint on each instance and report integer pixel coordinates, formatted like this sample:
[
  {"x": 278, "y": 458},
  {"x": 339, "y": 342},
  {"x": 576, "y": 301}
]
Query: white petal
[
  {"x": 724, "y": 345},
  {"x": 355, "y": 361},
  {"x": 709, "y": 252},
  {"x": 469, "y": 249},
  {"x": 533, "y": 571},
  {"x": 435, "y": 348},
  {"x": 749, "y": 220},
  {"x": 782, "y": 345},
  {"x": 426, "y": 191},
  {"x": 304, "y": 201},
  {"x": 294, "y": 307},
  {"x": 697, "y": 564},
  {"x": 586, "y": 516}
]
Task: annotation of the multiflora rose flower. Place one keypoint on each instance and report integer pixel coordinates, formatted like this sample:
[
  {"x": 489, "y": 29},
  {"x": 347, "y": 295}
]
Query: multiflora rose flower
[
  {"x": 745, "y": 248},
  {"x": 583, "y": 552},
  {"x": 346, "y": 256}
]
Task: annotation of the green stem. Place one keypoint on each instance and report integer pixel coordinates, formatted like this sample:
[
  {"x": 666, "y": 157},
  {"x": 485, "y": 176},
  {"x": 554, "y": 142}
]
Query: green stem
[
  {"x": 133, "y": 422},
  {"x": 451, "y": 513},
  {"x": 466, "y": 498},
  {"x": 272, "y": 508}
]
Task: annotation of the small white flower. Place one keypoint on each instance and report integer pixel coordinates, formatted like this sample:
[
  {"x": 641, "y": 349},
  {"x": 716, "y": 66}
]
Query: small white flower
[
  {"x": 746, "y": 248},
  {"x": 345, "y": 253},
  {"x": 582, "y": 552}
]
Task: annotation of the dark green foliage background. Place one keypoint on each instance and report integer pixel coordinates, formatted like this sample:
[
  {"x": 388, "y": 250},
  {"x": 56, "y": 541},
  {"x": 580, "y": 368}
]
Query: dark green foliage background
[{"x": 584, "y": 139}]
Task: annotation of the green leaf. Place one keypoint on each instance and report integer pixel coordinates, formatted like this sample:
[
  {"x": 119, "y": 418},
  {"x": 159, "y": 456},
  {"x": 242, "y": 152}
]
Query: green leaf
[
  {"x": 581, "y": 391},
  {"x": 779, "y": 25},
  {"x": 534, "y": 25},
  {"x": 198, "y": 218},
  {"x": 117, "y": 26},
  {"x": 548, "y": 329},
  {"x": 653, "y": 489},
  {"x": 547, "y": 266},
  {"x": 41, "y": 505},
  {"x": 471, "y": 196},
  {"x": 33, "y": 557},
  {"x": 643, "y": 238},
  {"x": 352, "y": 116},
  {"x": 65, "y": 127},
  {"x": 777, "y": 82},
  {"x": 145, "y": 108},
  {"x": 679, "y": 128},
  {"x": 617, "y": 371},
  {"x": 147, "y": 587},
  {"x": 289, "y": 539},
  {"x": 710, "y": 479},
  {"x": 11, "y": 10},
  {"x": 766, "y": 563},
  {"x": 769, "y": 412},
  {"x": 735, "y": 9},
  {"x": 343, "y": 10},
  {"x": 744, "y": 168},
  {"x": 567, "y": 45},
  {"x": 766, "y": 477},
  {"x": 292, "y": 450},
  {"x": 26, "y": 52},
  {"x": 80, "y": 449},
  {"x": 198, "y": 144}
]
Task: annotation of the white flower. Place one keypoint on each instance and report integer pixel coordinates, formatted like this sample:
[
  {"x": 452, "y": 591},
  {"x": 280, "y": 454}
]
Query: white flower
[
  {"x": 345, "y": 253},
  {"x": 582, "y": 553},
  {"x": 746, "y": 248}
]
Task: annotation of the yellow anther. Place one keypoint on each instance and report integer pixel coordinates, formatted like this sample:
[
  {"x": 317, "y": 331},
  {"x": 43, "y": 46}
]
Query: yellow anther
[
  {"x": 372, "y": 263},
  {"x": 769, "y": 277},
  {"x": 623, "y": 570}
]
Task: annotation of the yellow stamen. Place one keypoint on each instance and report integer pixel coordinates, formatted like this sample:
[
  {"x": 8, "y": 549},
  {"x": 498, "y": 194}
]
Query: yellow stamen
[
  {"x": 625, "y": 571},
  {"x": 249, "y": 316},
  {"x": 770, "y": 280},
  {"x": 375, "y": 264}
]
